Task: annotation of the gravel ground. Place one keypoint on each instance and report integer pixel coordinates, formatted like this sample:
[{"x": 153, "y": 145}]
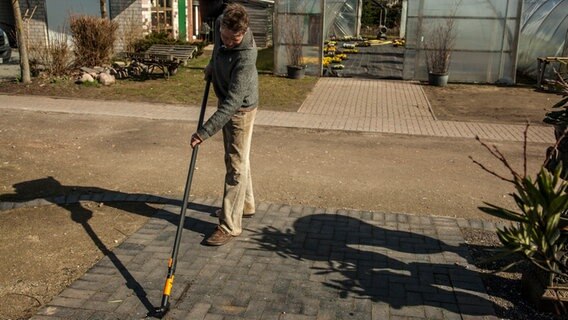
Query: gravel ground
[{"x": 504, "y": 288}]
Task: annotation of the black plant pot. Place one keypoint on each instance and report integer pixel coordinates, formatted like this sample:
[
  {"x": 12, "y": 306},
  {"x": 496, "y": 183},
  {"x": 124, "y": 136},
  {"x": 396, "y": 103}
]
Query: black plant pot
[
  {"x": 438, "y": 79},
  {"x": 296, "y": 72},
  {"x": 553, "y": 299}
]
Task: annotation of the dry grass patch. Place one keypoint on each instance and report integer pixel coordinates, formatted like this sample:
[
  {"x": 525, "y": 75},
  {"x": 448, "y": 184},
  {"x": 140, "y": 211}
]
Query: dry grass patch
[{"x": 185, "y": 88}]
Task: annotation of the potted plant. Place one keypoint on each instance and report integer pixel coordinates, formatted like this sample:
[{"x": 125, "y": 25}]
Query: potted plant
[
  {"x": 538, "y": 232},
  {"x": 293, "y": 33},
  {"x": 438, "y": 46}
]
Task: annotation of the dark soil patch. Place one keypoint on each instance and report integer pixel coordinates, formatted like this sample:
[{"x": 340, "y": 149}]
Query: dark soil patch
[{"x": 489, "y": 103}]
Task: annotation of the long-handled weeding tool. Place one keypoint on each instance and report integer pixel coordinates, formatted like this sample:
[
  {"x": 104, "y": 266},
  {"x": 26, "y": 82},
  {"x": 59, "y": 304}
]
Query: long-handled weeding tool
[{"x": 165, "y": 305}]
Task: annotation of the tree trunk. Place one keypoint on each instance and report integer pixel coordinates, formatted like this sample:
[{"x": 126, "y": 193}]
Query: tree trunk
[
  {"x": 103, "y": 9},
  {"x": 22, "y": 43}
]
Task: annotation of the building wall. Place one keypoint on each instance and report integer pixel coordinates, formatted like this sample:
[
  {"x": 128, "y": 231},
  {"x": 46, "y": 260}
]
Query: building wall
[
  {"x": 133, "y": 18},
  {"x": 36, "y": 27}
]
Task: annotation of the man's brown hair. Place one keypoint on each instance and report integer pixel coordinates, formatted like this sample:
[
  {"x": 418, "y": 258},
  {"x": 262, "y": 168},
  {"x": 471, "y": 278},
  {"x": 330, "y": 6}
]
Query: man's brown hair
[{"x": 235, "y": 18}]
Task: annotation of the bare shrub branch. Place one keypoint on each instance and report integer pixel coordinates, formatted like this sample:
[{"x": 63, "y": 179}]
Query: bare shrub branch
[
  {"x": 495, "y": 152},
  {"x": 93, "y": 39},
  {"x": 56, "y": 56},
  {"x": 293, "y": 36},
  {"x": 440, "y": 43}
]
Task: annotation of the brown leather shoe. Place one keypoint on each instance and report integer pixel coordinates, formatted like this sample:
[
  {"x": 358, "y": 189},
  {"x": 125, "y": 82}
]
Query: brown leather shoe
[
  {"x": 219, "y": 237},
  {"x": 245, "y": 215}
]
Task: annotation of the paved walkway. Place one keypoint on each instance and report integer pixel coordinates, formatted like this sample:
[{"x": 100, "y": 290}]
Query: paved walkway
[
  {"x": 292, "y": 262},
  {"x": 361, "y": 105}
]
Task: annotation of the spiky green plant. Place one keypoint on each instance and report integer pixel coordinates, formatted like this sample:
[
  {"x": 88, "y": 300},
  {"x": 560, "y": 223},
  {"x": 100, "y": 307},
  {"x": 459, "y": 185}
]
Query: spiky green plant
[
  {"x": 539, "y": 229},
  {"x": 541, "y": 232}
]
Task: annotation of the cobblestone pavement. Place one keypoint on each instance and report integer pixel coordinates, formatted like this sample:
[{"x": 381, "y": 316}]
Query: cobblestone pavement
[{"x": 291, "y": 262}]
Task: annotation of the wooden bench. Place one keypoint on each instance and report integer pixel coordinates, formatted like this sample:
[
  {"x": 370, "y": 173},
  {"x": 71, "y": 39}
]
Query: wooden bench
[
  {"x": 166, "y": 58},
  {"x": 542, "y": 64},
  {"x": 181, "y": 52}
]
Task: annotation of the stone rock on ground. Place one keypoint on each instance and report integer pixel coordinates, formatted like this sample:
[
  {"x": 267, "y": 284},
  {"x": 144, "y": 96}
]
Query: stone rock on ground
[
  {"x": 85, "y": 77},
  {"x": 106, "y": 79}
]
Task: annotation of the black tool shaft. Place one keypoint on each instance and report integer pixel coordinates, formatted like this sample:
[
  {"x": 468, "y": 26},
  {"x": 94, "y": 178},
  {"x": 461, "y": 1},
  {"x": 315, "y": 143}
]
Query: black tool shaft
[{"x": 173, "y": 259}]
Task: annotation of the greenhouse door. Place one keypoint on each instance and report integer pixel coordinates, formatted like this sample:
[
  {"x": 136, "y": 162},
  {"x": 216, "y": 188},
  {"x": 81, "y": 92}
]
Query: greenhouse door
[
  {"x": 362, "y": 33},
  {"x": 379, "y": 60}
]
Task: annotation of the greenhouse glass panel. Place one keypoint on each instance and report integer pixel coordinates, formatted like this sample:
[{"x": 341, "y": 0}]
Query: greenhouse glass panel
[
  {"x": 298, "y": 25},
  {"x": 299, "y": 6},
  {"x": 477, "y": 35},
  {"x": 412, "y": 32},
  {"x": 485, "y": 44},
  {"x": 488, "y": 63},
  {"x": 471, "y": 8},
  {"x": 341, "y": 18},
  {"x": 487, "y": 66}
]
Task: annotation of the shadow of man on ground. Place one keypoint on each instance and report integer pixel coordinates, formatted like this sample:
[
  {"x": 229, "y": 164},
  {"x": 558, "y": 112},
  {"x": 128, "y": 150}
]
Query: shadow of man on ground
[
  {"x": 68, "y": 198},
  {"x": 401, "y": 268}
]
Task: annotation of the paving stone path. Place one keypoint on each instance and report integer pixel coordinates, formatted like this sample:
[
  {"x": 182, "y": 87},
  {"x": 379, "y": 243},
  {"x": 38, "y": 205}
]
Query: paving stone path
[
  {"x": 379, "y": 106},
  {"x": 291, "y": 262}
]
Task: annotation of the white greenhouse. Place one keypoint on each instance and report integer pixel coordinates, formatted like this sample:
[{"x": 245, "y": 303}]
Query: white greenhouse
[
  {"x": 495, "y": 38},
  {"x": 544, "y": 33}
]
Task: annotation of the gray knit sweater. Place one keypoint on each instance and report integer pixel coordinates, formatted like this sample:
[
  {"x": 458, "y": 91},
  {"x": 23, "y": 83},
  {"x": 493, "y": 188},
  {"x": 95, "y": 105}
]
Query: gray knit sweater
[{"x": 235, "y": 80}]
